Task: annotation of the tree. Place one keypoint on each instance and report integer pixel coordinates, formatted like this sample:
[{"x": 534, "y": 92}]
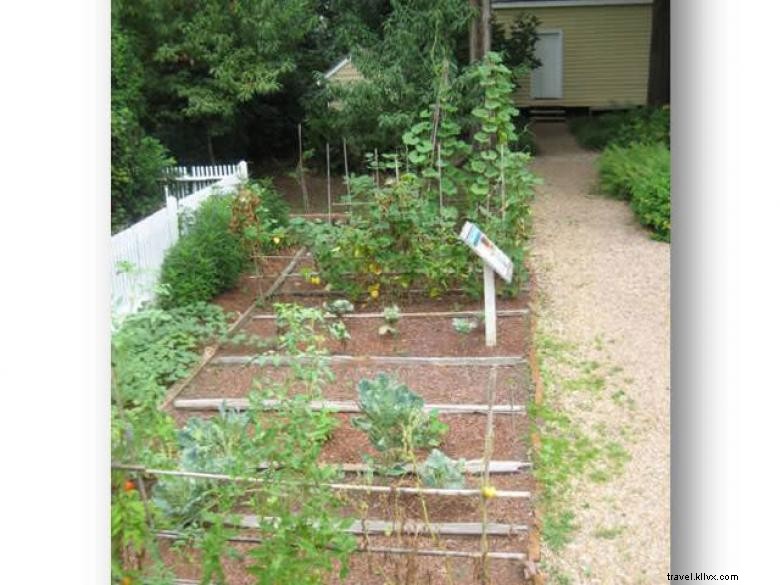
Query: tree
[
  {"x": 658, "y": 83},
  {"x": 218, "y": 56},
  {"x": 137, "y": 159}
]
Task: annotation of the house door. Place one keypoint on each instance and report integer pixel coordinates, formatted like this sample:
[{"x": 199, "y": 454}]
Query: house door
[{"x": 547, "y": 79}]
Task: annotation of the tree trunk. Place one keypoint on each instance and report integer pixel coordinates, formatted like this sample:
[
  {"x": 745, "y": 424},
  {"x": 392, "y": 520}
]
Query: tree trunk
[
  {"x": 474, "y": 33},
  {"x": 210, "y": 145},
  {"x": 486, "y": 27},
  {"x": 658, "y": 84}
]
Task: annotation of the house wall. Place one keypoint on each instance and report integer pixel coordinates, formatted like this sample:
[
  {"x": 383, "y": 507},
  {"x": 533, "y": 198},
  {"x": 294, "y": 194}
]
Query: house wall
[{"x": 606, "y": 52}]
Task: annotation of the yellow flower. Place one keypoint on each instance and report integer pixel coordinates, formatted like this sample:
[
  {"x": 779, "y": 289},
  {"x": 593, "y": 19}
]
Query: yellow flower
[
  {"x": 373, "y": 267},
  {"x": 277, "y": 239},
  {"x": 375, "y": 294},
  {"x": 488, "y": 492},
  {"x": 314, "y": 280}
]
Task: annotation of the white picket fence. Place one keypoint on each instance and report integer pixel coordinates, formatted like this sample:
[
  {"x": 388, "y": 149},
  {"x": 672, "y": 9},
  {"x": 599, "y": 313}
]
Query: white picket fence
[
  {"x": 137, "y": 252},
  {"x": 183, "y": 181}
]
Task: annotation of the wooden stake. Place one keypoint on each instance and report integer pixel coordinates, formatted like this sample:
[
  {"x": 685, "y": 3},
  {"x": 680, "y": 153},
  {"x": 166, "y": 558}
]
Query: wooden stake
[
  {"x": 301, "y": 174},
  {"x": 376, "y": 167},
  {"x": 346, "y": 172},
  {"x": 503, "y": 185},
  {"x": 441, "y": 195},
  {"x": 486, "y": 455},
  {"x": 327, "y": 164}
]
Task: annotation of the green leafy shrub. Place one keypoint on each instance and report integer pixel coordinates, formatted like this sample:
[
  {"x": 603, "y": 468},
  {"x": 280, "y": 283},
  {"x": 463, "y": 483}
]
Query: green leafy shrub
[
  {"x": 394, "y": 419},
  {"x": 207, "y": 259},
  {"x": 642, "y": 125},
  {"x": 153, "y": 348},
  {"x": 440, "y": 471},
  {"x": 640, "y": 174}
]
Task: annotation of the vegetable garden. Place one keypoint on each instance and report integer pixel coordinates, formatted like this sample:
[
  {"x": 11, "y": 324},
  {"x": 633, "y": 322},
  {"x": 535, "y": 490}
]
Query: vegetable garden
[{"x": 350, "y": 422}]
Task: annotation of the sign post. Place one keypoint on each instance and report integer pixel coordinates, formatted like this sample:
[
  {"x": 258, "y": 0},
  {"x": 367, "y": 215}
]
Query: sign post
[{"x": 493, "y": 261}]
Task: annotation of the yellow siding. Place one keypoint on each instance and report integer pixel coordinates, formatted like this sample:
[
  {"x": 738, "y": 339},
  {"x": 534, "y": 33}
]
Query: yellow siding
[
  {"x": 606, "y": 50},
  {"x": 347, "y": 73}
]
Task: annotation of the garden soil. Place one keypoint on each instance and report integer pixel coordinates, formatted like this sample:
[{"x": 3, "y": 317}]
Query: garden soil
[{"x": 603, "y": 284}]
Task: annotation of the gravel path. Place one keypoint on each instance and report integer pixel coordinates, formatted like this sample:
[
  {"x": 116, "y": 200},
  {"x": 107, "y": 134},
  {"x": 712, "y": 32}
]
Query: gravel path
[{"x": 604, "y": 285}]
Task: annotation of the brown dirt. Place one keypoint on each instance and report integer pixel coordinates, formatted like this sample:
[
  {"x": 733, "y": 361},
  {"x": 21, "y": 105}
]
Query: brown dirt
[
  {"x": 429, "y": 336},
  {"x": 376, "y": 569},
  {"x": 439, "y": 384}
]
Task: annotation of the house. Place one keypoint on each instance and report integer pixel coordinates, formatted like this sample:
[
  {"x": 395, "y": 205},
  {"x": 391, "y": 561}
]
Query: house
[
  {"x": 594, "y": 53},
  {"x": 343, "y": 71}
]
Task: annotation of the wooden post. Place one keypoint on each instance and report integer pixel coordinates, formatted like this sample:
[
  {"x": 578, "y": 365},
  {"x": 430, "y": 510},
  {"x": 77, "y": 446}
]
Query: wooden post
[
  {"x": 327, "y": 164},
  {"x": 485, "y": 27},
  {"x": 301, "y": 176},
  {"x": 438, "y": 163},
  {"x": 489, "y": 278},
  {"x": 172, "y": 209},
  {"x": 346, "y": 172},
  {"x": 376, "y": 166}
]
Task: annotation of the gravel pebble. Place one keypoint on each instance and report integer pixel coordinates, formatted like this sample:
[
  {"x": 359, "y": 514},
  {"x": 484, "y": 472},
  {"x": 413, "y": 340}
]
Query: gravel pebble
[{"x": 600, "y": 275}]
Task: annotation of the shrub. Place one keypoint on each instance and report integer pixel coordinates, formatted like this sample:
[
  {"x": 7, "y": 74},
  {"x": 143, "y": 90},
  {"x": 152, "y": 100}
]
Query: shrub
[
  {"x": 642, "y": 125},
  {"x": 641, "y": 174},
  {"x": 207, "y": 259}
]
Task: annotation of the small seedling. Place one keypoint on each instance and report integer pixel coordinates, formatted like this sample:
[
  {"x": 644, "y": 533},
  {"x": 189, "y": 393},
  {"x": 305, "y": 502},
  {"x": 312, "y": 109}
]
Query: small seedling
[
  {"x": 464, "y": 326},
  {"x": 339, "y": 331}
]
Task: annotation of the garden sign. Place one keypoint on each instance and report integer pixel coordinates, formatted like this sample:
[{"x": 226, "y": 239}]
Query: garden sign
[{"x": 493, "y": 260}]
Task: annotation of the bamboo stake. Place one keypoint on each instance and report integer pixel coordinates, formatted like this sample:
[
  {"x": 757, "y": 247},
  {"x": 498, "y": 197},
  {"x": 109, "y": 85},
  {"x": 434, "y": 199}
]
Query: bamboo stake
[
  {"x": 488, "y": 453},
  {"x": 346, "y": 173},
  {"x": 503, "y": 185},
  {"x": 397, "y": 172},
  {"x": 376, "y": 167},
  {"x": 441, "y": 195},
  {"x": 327, "y": 164},
  {"x": 302, "y": 176}
]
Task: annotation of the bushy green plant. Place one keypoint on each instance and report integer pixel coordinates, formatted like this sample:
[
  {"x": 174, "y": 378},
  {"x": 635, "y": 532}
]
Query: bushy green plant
[
  {"x": 641, "y": 174},
  {"x": 464, "y": 326},
  {"x": 622, "y": 128},
  {"x": 394, "y": 419},
  {"x": 206, "y": 260},
  {"x": 397, "y": 239},
  {"x": 440, "y": 471}
]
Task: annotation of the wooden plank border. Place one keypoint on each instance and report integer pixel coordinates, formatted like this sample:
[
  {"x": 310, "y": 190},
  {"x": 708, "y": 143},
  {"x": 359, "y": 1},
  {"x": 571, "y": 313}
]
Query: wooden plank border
[
  {"x": 346, "y": 406},
  {"x": 434, "y": 314},
  {"x": 380, "y": 360}
]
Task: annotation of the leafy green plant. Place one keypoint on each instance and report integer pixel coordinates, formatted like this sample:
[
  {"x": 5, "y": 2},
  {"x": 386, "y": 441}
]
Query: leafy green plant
[
  {"x": 207, "y": 259},
  {"x": 623, "y": 128},
  {"x": 339, "y": 307},
  {"x": 338, "y": 331},
  {"x": 394, "y": 419},
  {"x": 464, "y": 326},
  {"x": 440, "y": 471},
  {"x": 391, "y": 314},
  {"x": 641, "y": 174}
]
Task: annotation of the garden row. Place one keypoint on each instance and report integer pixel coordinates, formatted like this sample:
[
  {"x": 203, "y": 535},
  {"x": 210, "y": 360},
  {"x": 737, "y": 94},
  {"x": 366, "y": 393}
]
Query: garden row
[
  {"x": 636, "y": 162},
  {"x": 352, "y": 407}
]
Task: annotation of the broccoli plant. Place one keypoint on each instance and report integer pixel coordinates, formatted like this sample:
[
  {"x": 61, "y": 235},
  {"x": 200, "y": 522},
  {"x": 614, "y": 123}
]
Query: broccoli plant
[
  {"x": 394, "y": 419},
  {"x": 391, "y": 316}
]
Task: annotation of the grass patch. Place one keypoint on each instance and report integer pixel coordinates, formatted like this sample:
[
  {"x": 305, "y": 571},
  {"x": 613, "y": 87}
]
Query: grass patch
[
  {"x": 609, "y": 533},
  {"x": 568, "y": 449}
]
